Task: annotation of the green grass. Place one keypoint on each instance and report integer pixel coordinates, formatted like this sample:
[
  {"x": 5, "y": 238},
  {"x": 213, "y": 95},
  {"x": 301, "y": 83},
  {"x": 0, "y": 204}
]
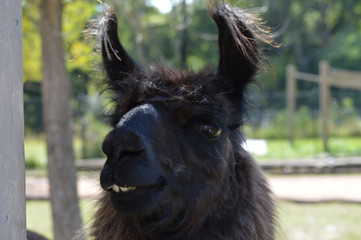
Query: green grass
[
  {"x": 38, "y": 216},
  {"x": 35, "y": 152},
  {"x": 325, "y": 221},
  {"x": 307, "y": 148}
]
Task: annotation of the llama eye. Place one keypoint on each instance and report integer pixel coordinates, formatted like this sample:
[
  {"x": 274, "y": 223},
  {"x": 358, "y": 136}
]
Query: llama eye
[{"x": 210, "y": 131}]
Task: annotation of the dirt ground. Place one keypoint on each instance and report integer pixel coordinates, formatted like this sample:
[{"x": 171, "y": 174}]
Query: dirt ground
[{"x": 320, "y": 188}]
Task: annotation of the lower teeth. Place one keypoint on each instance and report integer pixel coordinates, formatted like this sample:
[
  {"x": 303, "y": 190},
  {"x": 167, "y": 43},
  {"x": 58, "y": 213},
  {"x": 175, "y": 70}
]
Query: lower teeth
[{"x": 127, "y": 189}]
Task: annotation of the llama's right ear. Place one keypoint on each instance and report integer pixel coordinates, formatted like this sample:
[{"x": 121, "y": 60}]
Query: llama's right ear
[{"x": 117, "y": 63}]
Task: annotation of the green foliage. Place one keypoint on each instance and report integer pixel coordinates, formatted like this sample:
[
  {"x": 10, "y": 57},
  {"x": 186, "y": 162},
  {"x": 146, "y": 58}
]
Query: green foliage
[
  {"x": 274, "y": 128},
  {"x": 349, "y": 55},
  {"x": 79, "y": 52},
  {"x": 344, "y": 121},
  {"x": 306, "y": 124},
  {"x": 32, "y": 108},
  {"x": 90, "y": 132},
  {"x": 203, "y": 49},
  {"x": 31, "y": 41},
  {"x": 35, "y": 152},
  {"x": 32, "y": 163},
  {"x": 314, "y": 30},
  {"x": 344, "y": 118}
]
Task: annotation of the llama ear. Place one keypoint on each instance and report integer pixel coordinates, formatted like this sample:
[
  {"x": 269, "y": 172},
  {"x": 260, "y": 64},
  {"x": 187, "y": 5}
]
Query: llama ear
[
  {"x": 117, "y": 63},
  {"x": 238, "y": 48}
]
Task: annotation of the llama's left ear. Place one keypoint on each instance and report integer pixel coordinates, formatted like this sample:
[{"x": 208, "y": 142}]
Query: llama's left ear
[
  {"x": 240, "y": 54},
  {"x": 117, "y": 63}
]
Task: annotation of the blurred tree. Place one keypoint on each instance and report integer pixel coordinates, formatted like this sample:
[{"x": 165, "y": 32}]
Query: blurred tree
[
  {"x": 31, "y": 41},
  {"x": 134, "y": 11},
  {"x": 315, "y": 28},
  {"x": 58, "y": 123},
  {"x": 79, "y": 57},
  {"x": 183, "y": 36},
  {"x": 79, "y": 52},
  {"x": 311, "y": 31}
]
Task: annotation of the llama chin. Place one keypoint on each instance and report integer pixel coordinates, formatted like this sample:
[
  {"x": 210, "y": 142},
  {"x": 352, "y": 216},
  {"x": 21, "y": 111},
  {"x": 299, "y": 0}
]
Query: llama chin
[{"x": 175, "y": 165}]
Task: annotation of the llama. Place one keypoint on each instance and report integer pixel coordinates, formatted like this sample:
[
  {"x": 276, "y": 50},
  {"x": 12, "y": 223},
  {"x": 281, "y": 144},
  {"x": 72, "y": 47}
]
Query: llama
[
  {"x": 175, "y": 166},
  {"x": 30, "y": 235}
]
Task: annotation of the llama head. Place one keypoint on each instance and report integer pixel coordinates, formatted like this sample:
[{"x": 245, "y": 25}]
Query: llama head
[{"x": 174, "y": 153}]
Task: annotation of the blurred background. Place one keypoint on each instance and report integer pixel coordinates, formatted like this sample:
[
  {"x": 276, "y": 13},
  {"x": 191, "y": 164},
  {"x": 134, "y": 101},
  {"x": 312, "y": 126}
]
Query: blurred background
[{"x": 180, "y": 34}]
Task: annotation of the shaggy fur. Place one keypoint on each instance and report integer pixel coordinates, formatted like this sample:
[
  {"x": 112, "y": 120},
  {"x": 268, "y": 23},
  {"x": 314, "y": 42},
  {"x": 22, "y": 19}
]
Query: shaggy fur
[
  {"x": 30, "y": 235},
  {"x": 175, "y": 148}
]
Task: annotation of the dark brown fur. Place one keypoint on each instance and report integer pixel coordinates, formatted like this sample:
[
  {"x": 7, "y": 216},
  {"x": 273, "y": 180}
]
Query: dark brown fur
[
  {"x": 177, "y": 138},
  {"x": 30, "y": 235}
]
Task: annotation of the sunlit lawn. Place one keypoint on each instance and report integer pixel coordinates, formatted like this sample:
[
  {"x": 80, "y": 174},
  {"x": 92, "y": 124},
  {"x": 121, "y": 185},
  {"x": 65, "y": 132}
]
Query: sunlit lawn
[
  {"x": 325, "y": 221},
  {"x": 283, "y": 150},
  {"x": 38, "y": 215}
]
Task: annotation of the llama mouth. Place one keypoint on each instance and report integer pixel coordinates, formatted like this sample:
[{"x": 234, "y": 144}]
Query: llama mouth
[
  {"x": 136, "y": 199},
  {"x": 123, "y": 189},
  {"x": 128, "y": 189}
]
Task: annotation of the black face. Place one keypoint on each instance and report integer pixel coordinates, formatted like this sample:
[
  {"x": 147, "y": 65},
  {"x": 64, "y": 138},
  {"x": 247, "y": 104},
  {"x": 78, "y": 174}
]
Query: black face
[
  {"x": 155, "y": 162},
  {"x": 170, "y": 150}
]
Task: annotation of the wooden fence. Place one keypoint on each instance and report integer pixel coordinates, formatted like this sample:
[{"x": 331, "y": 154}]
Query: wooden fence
[
  {"x": 328, "y": 77},
  {"x": 12, "y": 167}
]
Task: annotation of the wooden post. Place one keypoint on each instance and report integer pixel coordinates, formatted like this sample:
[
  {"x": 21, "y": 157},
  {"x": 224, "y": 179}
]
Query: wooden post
[
  {"x": 291, "y": 100},
  {"x": 12, "y": 167},
  {"x": 324, "y": 70}
]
